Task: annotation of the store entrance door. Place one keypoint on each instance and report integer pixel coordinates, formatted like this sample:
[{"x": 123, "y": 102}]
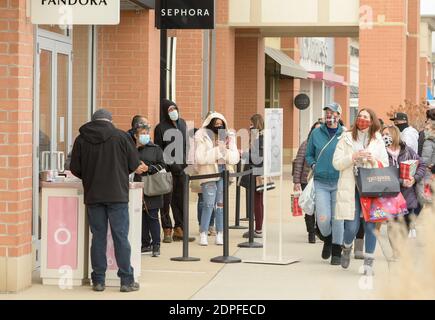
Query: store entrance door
[{"x": 52, "y": 119}]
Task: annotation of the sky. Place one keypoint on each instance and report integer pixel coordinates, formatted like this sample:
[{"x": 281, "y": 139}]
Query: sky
[{"x": 428, "y": 8}]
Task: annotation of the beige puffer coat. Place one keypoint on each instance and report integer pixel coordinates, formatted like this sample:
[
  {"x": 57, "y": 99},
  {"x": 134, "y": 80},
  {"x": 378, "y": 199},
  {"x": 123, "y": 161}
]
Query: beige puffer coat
[
  {"x": 342, "y": 161},
  {"x": 207, "y": 153}
]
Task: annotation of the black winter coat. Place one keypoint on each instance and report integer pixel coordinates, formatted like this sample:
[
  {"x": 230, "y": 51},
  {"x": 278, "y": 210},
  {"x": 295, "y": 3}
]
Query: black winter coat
[
  {"x": 103, "y": 157},
  {"x": 152, "y": 156},
  {"x": 159, "y": 132}
]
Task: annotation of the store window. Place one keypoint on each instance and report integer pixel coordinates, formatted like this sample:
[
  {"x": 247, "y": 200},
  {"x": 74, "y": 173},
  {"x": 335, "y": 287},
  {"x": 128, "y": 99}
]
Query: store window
[
  {"x": 272, "y": 83},
  {"x": 56, "y": 29}
]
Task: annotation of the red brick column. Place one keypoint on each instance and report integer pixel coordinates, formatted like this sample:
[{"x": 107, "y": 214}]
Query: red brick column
[
  {"x": 413, "y": 52},
  {"x": 128, "y": 69},
  {"x": 249, "y": 77},
  {"x": 342, "y": 67},
  {"x": 16, "y": 104},
  {"x": 288, "y": 90},
  {"x": 425, "y": 74},
  {"x": 383, "y": 56}
]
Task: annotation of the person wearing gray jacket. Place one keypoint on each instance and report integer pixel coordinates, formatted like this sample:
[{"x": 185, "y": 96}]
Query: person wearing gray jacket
[{"x": 428, "y": 153}]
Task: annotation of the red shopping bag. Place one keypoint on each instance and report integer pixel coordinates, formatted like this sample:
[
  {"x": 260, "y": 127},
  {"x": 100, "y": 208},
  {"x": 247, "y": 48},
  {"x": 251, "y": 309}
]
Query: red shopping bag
[
  {"x": 383, "y": 208},
  {"x": 408, "y": 169},
  {"x": 296, "y": 210}
]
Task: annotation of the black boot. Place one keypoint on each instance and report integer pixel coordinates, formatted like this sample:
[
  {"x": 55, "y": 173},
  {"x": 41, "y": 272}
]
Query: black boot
[
  {"x": 156, "y": 250},
  {"x": 336, "y": 255},
  {"x": 309, "y": 222},
  {"x": 327, "y": 247}
]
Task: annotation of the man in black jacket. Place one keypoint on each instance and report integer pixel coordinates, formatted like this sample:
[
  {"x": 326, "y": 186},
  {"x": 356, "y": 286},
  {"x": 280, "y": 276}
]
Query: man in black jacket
[
  {"x": 103, "y": 157},
  {"x": 170, "y": 135}
]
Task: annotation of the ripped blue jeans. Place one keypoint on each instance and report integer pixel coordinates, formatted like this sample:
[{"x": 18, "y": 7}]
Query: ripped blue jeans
[{"x": 213, "y": 199}]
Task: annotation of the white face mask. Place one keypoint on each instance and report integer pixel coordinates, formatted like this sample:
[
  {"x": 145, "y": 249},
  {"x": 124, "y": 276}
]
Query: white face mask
[
  {"x": 388, "y": 140},
  {"x": 173, "y": 115}
]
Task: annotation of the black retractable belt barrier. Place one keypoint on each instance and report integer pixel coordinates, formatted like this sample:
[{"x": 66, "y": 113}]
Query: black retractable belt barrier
[
  {"x": 237, "y": 214},
  {"x": 250, "y": 192},
  {"x": 226, "y": 258}
]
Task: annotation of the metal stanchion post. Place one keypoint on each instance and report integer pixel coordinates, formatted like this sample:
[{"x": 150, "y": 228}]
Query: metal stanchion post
[
  {"x": 185, "y": 256},
  {"x": 237, "y": 223},
  {"x": 251, "y": 243},
  {"x": 226, "y": 258}
]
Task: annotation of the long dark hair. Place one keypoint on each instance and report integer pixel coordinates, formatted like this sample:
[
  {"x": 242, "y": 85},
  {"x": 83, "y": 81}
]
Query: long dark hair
[
  {"x": 313, "y": 127},
  {"x": 212, "y": 123},
  {"x": 374, "y": 127}
]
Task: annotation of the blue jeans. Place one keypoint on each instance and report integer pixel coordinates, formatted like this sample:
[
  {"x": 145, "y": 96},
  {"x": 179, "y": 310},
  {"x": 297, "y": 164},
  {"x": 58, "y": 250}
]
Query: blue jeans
[
  {"x": 351, "y": 228},
  {"x": 150, "y": 225},
  {"x": 199, "y": 207},
  {"x": 213, "y": 197},
  {"x": 326, "y": 198},
  {"x": 99, "y": 215}
]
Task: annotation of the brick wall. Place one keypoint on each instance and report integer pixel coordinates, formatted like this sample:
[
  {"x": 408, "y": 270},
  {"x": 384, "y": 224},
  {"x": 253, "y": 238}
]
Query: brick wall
[
  {"x": 342, "y": 67},
  {"x": 16, "y": 104},
  {"x": 128, "y": 68},
  {"x": 413, "y": 52}
]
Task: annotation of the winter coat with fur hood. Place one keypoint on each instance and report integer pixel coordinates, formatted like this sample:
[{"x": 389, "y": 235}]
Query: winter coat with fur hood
[{"x": 207, "y": 153}]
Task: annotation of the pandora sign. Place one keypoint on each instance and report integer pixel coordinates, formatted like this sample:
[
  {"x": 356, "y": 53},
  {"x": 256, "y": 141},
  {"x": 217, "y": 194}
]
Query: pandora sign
[{"x": 70, "y": 12}]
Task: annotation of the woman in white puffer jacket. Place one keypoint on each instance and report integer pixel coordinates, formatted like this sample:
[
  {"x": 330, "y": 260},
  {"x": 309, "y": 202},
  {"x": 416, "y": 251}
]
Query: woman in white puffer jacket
[
  {"x": 215, "y": 151},
  {"x": 362, "y": 146}
]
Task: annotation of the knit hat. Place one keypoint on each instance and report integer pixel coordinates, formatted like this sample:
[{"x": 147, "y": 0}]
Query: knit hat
[{"x": 101, "y": 114}]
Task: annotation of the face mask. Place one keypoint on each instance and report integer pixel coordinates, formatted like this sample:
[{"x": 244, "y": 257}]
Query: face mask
[
  {"x": 331, "y": 120},
  {"x": 144, "y": 139},
  {"x": 363, "y": 124},
  {"x": 388, "y": 140},
  {"x": 402, "y": 126},
  {"x": 216, "y": 129},
  {"x": 173, "y": 115}
]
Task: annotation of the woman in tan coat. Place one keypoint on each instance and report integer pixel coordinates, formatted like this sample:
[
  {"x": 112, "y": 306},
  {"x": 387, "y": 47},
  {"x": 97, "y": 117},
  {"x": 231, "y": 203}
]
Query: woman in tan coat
[
  {"x": 362, "y": 146},
  {"x": 215, "y": 151}
]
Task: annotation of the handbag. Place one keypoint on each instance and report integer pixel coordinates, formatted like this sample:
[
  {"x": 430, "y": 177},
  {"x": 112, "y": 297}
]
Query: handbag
[
  {"x": 157, "y": 184},
  {"x": 296, "y": 209},
  {"x": 383, "y": 208},
  {"x": 378, "y": 182},
  {"x": 260, "y": 185},
  {"x": 307, "y": 198},
  {"x": 424, "y": 192}
]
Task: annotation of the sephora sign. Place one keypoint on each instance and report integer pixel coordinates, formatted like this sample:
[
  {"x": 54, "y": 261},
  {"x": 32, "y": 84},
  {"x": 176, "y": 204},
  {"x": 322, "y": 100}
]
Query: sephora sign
[{"x": 71, "y": 12}]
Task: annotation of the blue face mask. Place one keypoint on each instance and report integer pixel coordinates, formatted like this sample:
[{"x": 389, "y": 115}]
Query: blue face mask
[
  {"x": 144, "y": 139},
  {"x": 173, "y": 115}
]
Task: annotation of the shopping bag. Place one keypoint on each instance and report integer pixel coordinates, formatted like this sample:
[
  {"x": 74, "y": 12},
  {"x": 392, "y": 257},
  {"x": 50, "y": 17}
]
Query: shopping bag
[
  {"x": 378, "y": 182},
  {"x": 408, "y": 169},
  {"x": 296, "y": 209},
  {"x": 383, "y": 208},
  {"x": 307, "y": 198}
]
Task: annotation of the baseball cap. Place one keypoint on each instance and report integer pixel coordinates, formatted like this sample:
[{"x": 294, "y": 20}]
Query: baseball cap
[
  {"x": 334, "y": 107},
  {"x": 399, "y": 116},
  {"x": 102, "y": 114}
]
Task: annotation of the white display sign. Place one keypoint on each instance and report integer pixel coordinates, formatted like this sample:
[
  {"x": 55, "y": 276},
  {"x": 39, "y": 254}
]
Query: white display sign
[
  {"x": 273, "y": 142},
  {"x": 72, "y": 12}
]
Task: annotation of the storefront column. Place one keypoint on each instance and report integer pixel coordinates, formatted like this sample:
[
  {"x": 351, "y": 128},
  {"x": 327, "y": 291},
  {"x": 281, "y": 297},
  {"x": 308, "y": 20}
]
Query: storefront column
[
  {"x": 413, "y": 52},
  {"x": 342, "y": 68},
  {"x": 288, "y": 90},
  {"x": 128, "y": 68},
  {"x": 249, "y": 95},
  {"x": 382, "y": 55},
  {"x": 16, "y": 104}
]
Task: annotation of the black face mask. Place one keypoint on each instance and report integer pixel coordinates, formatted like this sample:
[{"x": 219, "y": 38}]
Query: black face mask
[
  {"x": 402, "y": 126},
  {"x": 216, "y": 129}
]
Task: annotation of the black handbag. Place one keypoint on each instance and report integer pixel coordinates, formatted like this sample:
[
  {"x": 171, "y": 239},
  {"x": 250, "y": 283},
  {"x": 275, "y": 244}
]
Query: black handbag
[{"x": 378, "y": 182}]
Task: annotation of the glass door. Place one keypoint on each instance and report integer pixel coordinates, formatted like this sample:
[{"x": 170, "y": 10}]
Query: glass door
[{"x": 52, "y": 118}]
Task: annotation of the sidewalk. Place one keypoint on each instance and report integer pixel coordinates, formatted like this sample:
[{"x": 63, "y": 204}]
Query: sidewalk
[{"x": 311, "y": 278}]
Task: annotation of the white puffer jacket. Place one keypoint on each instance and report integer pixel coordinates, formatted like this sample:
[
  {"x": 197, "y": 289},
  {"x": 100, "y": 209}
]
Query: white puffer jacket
[
  {"x": 342, "y": 161},
  {"x": 207, "y": 153}
]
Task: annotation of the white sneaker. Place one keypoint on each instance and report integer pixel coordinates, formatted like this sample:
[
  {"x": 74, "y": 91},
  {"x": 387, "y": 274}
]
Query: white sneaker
[
  {"x": 203, "y": 241},
  {"x": 412, "y": 234},
  {"x": 220, "y": 238}
]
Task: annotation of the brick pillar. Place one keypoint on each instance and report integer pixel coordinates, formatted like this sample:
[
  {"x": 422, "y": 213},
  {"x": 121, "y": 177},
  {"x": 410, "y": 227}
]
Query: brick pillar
[
  {"x": 413, "y": 52},
  {"x": 424, "y": 76},
  {"x": 383, "y": 56},
  {"x": 288, "y": 90},
  {"x": 128, "y": 68},
  {"x": 225, "y": 63},
  {"x": 16, "y": 104},
  {"x": 249, "y": 92},
  {"x": 342, "y": 67}
]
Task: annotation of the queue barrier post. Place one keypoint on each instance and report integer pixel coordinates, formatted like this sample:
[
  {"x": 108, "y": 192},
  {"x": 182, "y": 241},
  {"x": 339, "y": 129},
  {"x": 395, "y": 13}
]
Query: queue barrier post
[{"x": 237, "y": 213}]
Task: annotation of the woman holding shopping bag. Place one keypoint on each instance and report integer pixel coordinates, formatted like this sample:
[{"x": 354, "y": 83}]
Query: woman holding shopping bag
[{"x": 362, "y": 147}]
